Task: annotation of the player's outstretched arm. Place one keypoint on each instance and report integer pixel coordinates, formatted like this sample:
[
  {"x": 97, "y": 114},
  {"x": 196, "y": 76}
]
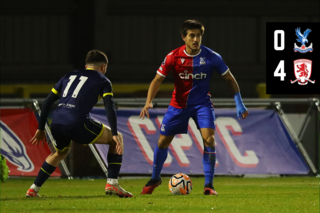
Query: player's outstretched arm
[
  {"x": 111, "y": 113},
  {"x": 119, "y": 142},
  {"x": 40, "y": 134},
  {"x": 112, "y": 118},
  {"x": 242, "y": 111},
  {"x": 153, "y": 90}
]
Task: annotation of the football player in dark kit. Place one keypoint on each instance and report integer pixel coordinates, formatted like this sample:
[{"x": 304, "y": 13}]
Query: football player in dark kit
[{"x": 78, "y": 92}]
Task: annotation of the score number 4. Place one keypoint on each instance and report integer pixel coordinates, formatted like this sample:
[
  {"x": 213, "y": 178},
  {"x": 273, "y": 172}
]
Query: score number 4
[{"x": 279, "y": 72}]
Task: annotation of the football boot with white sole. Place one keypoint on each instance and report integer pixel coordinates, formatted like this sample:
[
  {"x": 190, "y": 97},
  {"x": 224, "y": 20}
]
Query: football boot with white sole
[
  {"x": 32, "y": 193},
  {"x": 116, "y": 189}
]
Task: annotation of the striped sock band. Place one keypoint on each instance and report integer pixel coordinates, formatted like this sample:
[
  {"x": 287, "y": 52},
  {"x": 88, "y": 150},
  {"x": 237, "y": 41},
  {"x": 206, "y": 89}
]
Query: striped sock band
[
  {"x": 44, "y": 173},
  {"x": 114, "y": 165}
]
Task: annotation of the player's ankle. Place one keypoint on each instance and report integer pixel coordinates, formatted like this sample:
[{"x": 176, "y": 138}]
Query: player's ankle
[
  {"x": 152, "y": 182},
  {"x": 208, "y": 185},
  {"x": 35, "y": 187},
  {"x": 112, "y": 181}
]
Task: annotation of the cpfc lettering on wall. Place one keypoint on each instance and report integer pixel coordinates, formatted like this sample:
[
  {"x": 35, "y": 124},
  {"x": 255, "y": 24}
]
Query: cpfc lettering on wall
[
  {"x": 257, "y": 145},
  {"x": 17, "y": 128}
]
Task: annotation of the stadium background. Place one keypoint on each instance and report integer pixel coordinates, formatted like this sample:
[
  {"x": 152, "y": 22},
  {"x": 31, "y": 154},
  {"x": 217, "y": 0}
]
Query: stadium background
[{"x": 43, "y": 40}]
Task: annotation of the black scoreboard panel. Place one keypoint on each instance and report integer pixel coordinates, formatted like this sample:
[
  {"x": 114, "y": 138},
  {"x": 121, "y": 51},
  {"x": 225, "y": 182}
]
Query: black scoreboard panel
[{"x": 293, "y": 59}]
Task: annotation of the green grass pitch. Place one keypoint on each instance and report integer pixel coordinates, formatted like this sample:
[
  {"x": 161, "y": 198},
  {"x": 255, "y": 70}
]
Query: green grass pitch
[{"x": 258, "y": 195}]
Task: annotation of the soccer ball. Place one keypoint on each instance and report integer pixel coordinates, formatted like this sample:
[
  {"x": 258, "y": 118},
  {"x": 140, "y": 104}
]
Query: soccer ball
[{"x": 180, "y": 184}]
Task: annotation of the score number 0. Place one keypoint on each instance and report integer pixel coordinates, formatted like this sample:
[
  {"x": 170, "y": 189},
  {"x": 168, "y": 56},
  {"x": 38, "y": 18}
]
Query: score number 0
[{"x": 279, "y": 72}]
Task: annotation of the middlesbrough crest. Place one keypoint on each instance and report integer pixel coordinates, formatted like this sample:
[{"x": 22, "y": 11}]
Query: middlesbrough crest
[
  {"x": 302, "y": 71},
  {"x": 302, "y": 38}
]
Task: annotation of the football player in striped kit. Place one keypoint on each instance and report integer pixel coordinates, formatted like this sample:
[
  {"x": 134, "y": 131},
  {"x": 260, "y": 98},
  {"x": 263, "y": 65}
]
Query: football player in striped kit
[{"x": 192, "y": 66}]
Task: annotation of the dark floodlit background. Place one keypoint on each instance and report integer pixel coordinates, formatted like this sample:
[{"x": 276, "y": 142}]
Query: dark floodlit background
[{"x": 43, "y": 40}]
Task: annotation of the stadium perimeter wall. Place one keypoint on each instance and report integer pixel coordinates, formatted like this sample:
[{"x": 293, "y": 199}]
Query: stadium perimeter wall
[{"x": 75, "y": 164}]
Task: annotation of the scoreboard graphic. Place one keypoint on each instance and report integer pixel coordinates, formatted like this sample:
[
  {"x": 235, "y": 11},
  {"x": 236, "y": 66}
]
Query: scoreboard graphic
[{"x": 293, "y": 58}]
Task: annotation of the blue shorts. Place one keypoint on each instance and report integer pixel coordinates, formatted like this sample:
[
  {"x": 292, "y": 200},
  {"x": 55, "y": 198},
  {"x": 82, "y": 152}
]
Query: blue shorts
[
  {"x": 176, "y": 120},
  {"x": 86, "y": 133}
]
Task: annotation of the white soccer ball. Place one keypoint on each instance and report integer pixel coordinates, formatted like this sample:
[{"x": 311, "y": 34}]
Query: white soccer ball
[{"x": 180, "y": 184}]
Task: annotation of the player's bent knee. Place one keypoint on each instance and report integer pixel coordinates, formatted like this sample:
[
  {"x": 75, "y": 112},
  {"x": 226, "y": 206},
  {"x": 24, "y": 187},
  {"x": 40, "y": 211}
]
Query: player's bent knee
[
  {"x": 62, "y": 154},
  {"x": 209, "y": 141},
  {"x": 106, "y": 137},
  {"x": 164, "y": 141}
]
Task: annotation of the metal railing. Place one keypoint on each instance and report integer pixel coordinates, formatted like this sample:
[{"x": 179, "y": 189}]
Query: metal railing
[
  {"x": 164, "y": 102},
  {"x": 249, "y": 102}
]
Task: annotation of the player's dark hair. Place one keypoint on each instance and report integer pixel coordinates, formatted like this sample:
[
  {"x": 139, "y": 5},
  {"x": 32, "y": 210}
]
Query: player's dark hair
[
  {"x": 190, "y": 25},
  {"x": 96, "y": 56}
]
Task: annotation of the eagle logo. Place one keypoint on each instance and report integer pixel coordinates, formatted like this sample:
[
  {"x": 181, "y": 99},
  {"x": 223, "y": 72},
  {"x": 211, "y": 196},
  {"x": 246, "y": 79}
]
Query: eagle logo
[
  {"x": 302, "y": 38},
  {"x": 14, "y": 149}
]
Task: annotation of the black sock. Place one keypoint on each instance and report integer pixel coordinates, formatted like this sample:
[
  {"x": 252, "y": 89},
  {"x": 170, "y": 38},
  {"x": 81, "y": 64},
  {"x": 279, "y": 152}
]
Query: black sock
[
  {"x": 208, "y": 185},
  {"x": 44, "y": 173},
  {"x": 114, "y": 165}
]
